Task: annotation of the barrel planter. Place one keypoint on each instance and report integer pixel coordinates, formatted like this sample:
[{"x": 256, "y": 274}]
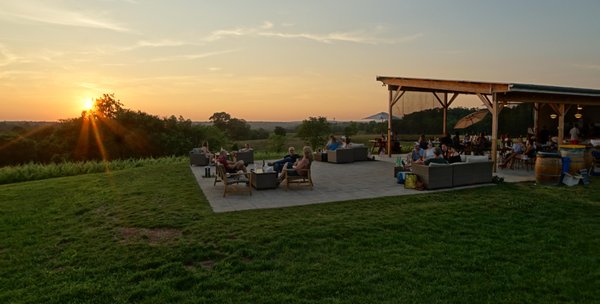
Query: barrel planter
[
  {"x": 575, "y": 153},
  {"x": 548, "y": 167}
]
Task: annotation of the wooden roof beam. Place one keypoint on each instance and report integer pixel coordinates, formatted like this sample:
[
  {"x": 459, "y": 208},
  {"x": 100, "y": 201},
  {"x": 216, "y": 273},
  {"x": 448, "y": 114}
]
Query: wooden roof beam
[{"x": 445, "y": 85}]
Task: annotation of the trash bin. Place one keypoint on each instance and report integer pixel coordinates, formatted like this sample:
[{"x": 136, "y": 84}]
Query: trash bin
[{"x": 566, "y": 164}]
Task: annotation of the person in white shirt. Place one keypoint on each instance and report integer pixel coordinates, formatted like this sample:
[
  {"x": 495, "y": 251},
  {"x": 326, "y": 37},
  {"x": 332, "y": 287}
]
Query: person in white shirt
[{"x": 574, "y": 134}]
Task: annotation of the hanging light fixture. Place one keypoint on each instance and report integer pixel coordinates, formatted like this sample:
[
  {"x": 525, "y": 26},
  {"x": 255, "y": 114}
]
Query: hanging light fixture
[
  {"x": 553, "y": 116},
  {"x": 578, "y": 115}
]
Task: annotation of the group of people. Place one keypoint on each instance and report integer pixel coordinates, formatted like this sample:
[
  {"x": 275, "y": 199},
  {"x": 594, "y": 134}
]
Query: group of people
[
  {"x": 443, "y": 154},
  {"x": 518, "y": 150},
  {"x": 333, "y": 143},
  {"x": 298, "y": 163}
]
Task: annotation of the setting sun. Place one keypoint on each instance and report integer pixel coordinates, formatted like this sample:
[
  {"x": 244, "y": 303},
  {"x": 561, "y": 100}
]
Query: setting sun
[{"x": 88, "y": 104}]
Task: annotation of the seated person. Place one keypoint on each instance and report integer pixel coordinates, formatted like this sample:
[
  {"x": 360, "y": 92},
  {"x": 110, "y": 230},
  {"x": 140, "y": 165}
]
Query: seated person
[
  {"x": 530, "y": 148},
  {"x": 346, "y": 143},
  {"x": 246, "y": 148},
  {"x": 517, "y": 149},
  {"x": 446, "y": 140},
  {"x": 423, "y": 141},
  {"x": 450, "y": 154},
  {"x": 417, "y": 155},
  {"x": 230, "y": 167},
  {"x": 332, "y": 144},
  {"x": 289, "y": 158},
  {"x": 204, "y": 150},
  {"x": 429, "y": 152},
  {"x": 438, "y": 158},
  {"x": 303, "y": 163}
]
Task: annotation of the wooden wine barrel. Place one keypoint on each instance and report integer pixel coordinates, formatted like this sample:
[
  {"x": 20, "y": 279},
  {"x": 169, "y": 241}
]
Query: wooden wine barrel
[
  {"x": 548, "y": 167},
  {"x": 575, "y": 153}
]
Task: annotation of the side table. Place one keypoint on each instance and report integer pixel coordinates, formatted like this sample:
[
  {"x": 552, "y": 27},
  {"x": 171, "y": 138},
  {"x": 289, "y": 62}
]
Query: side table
[{"x": 264, "y": 180}]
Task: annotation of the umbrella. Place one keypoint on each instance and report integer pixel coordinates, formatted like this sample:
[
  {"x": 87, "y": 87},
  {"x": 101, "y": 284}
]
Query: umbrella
[
  {"x": 471, "y": 119},
  {"x": 381, "y": 116}
]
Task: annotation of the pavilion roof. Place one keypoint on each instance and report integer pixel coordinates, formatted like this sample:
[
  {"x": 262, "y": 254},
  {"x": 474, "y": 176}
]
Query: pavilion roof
[{"x": 505, "y": 92}]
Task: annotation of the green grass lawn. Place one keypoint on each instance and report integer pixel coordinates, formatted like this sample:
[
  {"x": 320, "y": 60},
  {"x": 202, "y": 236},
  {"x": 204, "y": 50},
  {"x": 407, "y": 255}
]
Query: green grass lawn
[{"x": 148, "y": 235}]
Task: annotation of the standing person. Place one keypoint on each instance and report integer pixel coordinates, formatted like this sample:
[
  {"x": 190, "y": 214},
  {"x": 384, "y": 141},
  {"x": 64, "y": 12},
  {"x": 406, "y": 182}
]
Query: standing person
[
  {"x": 544, "y": 136},
  {"x": 574, "y": 134}
]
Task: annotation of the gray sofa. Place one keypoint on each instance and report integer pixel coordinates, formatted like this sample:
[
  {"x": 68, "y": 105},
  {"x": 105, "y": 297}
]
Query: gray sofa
[
  {"x": 434, "y": 176},
  {"x": 471, "y": 173},
  {"x": 353, "y": 154},
  {"x": 246, "y": 156},
  {"x": 455, "y": 175},
  {"x": 197, "y": 158}
]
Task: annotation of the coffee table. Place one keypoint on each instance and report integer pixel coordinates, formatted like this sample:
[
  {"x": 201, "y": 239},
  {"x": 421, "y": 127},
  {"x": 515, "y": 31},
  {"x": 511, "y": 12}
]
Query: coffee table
[{"x": 264, "y": 180}]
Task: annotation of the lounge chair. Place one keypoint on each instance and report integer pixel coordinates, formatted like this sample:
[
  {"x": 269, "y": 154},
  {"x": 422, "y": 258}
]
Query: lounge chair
[
  {"x": 304, "y": 178},
  {"x": 234, "y": 182}
]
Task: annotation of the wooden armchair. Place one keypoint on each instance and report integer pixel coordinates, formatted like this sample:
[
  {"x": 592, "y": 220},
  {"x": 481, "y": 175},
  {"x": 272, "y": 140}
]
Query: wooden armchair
[
  {"x": 233, "y": 182},
  {"x": 304, "y": 177}
]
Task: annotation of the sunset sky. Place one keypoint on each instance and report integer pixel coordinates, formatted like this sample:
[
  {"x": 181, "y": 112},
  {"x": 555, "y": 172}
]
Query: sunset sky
[{"x": 278, "y": 60}]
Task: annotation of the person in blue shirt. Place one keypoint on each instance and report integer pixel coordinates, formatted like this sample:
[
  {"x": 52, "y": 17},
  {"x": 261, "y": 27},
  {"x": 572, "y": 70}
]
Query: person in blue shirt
[
  {"x": 417, "y": 154},
  {"x": 332, "y": 144},
  {"x": 290, "y": 158}
]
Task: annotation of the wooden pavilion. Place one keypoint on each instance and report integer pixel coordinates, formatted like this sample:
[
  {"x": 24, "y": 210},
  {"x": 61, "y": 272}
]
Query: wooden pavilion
[{"x": 494, "y": 95}]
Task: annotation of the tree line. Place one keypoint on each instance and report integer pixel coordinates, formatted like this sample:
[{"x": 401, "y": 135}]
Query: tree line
[{"x": 111, "y": 131}]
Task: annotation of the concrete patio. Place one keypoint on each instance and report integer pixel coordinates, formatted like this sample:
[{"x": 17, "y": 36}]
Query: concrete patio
[{"x": 332, "y": 183}]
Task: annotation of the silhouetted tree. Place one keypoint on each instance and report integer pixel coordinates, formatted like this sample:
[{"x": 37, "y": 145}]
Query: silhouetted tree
[
  {"x": 280, "y": 131},
  {"x": 314, "y": 131}
]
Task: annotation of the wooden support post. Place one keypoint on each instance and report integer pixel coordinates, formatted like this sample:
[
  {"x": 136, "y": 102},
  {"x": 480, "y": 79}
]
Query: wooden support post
[
  {"x": 389, "y": 130},
  {"x": 536, "y": 122},
  {"x": 445, "y": 113},
  {"x": 561, "y": 123},
  {"x": 495, "y": 113}
]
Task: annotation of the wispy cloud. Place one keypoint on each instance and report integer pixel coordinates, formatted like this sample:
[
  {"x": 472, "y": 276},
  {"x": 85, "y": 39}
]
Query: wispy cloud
[
  {"x": 266, "y": 30},
  {"x": 588, "y": 66},
  {"x": 190, "y": 56},
  {"x": 34, "y": 11},
  {"x": 7, "y": 57}
]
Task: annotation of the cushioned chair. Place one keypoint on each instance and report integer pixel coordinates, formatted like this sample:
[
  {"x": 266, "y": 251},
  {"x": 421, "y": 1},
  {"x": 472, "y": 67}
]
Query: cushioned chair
[
  {"x": 340, "y": 156},
  {"x": 246, "y": 156},
  {"x": 302, "y": 179},
  {"x": 234, "y": 182},
  {"x": 360, "y": 153},
  {"x": 198, "y": 158}
]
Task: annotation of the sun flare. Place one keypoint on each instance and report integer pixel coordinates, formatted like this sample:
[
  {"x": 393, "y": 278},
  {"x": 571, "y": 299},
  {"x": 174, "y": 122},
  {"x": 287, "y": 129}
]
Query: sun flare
[{"x": 88, "y": 104}]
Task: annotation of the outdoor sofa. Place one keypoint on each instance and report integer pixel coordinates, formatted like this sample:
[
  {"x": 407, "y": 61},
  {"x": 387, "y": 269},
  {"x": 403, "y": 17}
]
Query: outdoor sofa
[
  {"x": 197, "y": 158},
  {"x": 246, "y": 156},
  {"x": 436, "y": 176},
  {"x": 349, "y": 155}
]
